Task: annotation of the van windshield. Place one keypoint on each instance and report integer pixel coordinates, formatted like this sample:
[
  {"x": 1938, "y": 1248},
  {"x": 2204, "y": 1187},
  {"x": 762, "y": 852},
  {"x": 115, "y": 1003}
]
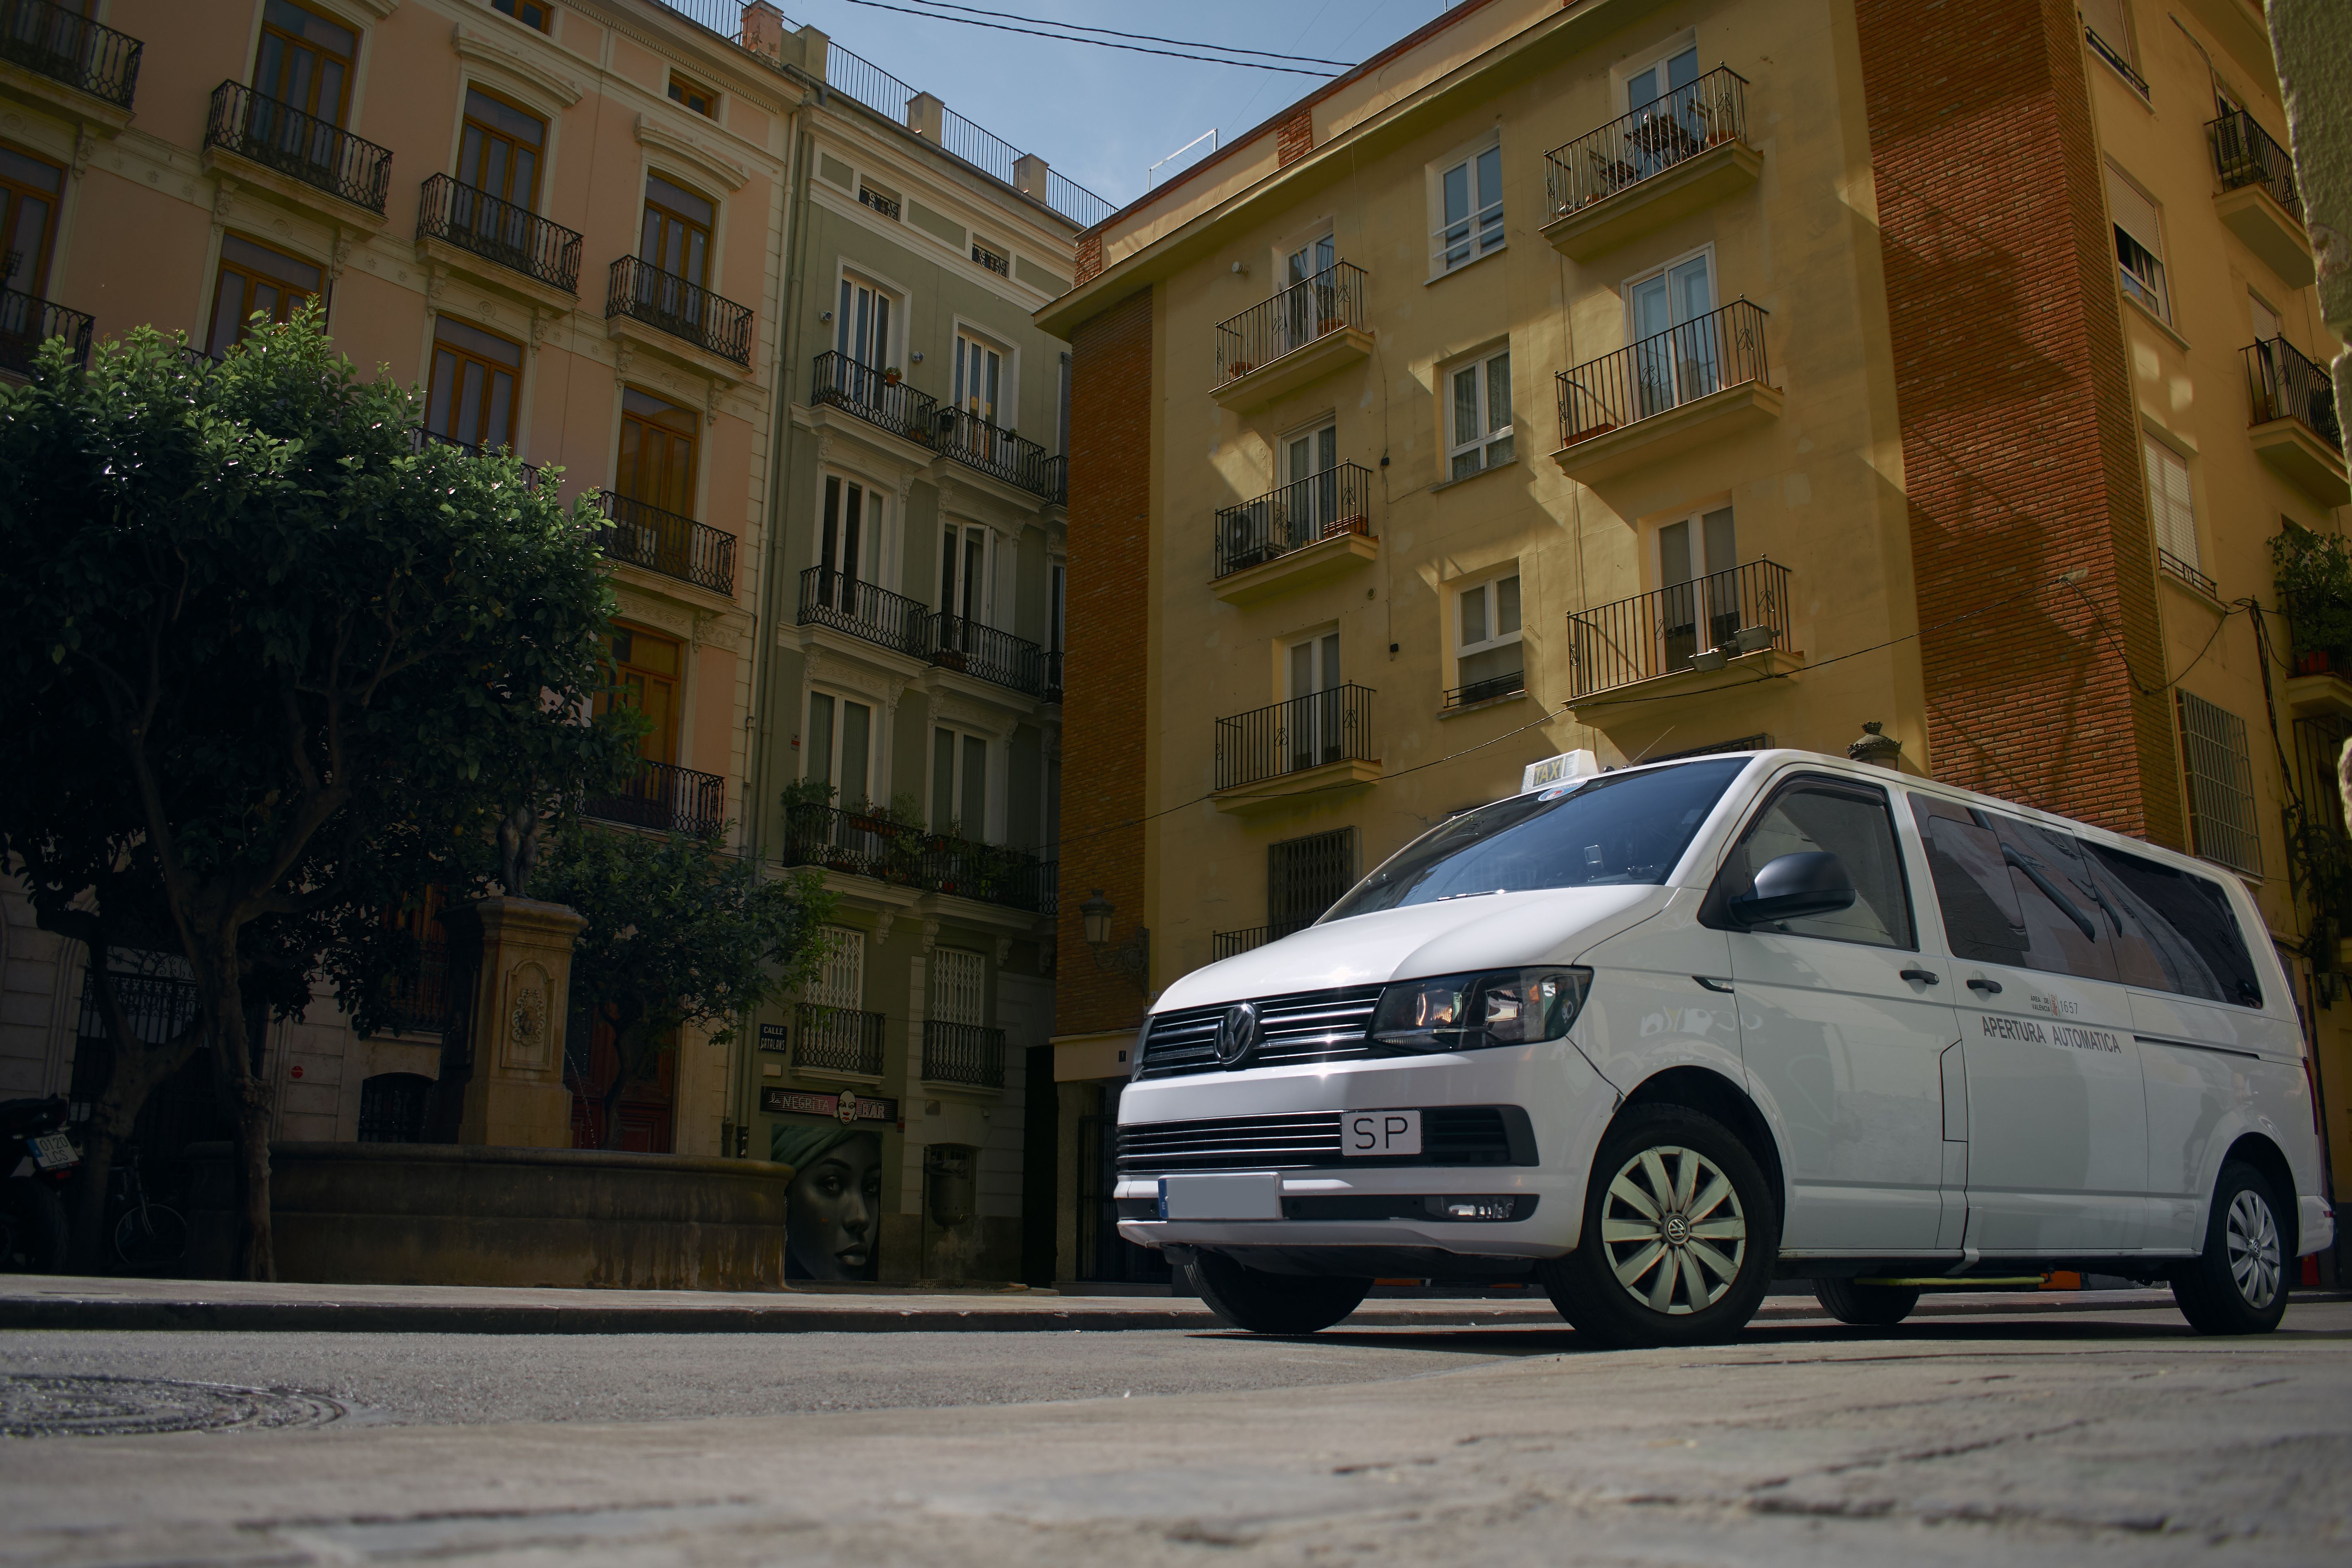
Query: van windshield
[{"x": 1625, "y": 827}]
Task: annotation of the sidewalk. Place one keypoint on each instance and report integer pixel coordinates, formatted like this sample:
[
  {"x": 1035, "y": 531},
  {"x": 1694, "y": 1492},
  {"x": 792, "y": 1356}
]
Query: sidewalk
[{"x": 52, "y": 1301}]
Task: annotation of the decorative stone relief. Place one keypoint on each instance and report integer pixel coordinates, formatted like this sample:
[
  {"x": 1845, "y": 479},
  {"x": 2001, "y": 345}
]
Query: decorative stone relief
[
  {"x": 882, "y": 924},
  {"x": 1003, "y": 951},
  {"x": 931, "y": 935},
  {"x": 529, "y": 1008}
]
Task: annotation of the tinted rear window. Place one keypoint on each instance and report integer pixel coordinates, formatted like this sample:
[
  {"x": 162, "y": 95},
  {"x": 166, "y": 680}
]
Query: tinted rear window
[{"x": 2175, "y": 930}]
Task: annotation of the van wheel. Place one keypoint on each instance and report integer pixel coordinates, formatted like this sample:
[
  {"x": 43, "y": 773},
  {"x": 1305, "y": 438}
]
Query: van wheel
[
  {"x": 1680, "y": 1234},
  {"x": 1865, "y": 1306},
  {"x": 2239, "y": 1284},
  {"x": 1263, "y": 1303}
]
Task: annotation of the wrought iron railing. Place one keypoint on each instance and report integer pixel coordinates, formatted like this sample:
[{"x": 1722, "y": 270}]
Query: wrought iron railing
[
  {"x": 986, "y": 654},
  {"x": 880, "y": 398},
  {"x": 2286, "y": 386},
  {"x": 669, "y": 303},
  {"x": 1722, "y": 349},
  {"x": 424, "y": 438},
  {"x": 836, "y": 1039},
  {"x": 665, "y": 796},
  {"x": 963, "y": 1053},
  {"x": 1052, "y": 692},
  {"x": 1486, "y": 690},
  {"x": 1228, "y": 943},
  {"x": 155, "y": 1007},
  {"x": 514, "y": 238},
  {"x": 64, "y": 47},
  {"x": 2244, "y": 155},
  {"x": 2114, "y": 55},
  {"x": 863, "y": 841},
  {"x": 1298, "y": 315},
  {"x": 2168, "y": 562},
  {"x": 1294, "y": 735},
  {"x": 1321, "y": 506},
  {"x": 301, "y": 146},
  {"x": 28, "y": 322},
  {"x": 1660, "y": 632},
  {"x": 875, "y": 396},
  {"x": 872, "y": 614},
  {"x": 644, "y": 535},
  {"x": 978, "y": 443},
  {"x": 1711, "y": 111}
]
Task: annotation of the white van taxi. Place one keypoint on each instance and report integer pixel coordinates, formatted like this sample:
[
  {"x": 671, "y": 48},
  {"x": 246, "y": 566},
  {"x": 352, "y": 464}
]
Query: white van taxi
[{"x": 1656, "y": 1036}]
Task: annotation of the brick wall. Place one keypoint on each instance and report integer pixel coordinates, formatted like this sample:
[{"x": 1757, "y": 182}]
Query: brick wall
[
  {"x": 1106, "y": 690},
  {"x": 2019, "y": 445}
]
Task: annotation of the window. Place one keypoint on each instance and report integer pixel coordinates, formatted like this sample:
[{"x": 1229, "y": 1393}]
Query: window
[
  {"x": 472, "y": 396},
  {"x": 1304, "y": 877},
  {"x": 1490, "y": 656},
  {"x": 840, "y": 744},
  {"x": 965, "y": 576},
  {"x": 1316, "y": 723},
  {"x": 500, "y": 151},
  {"x": 993, "y": 261},
  {"x": 861, "y": 327},
  {"x": 847, "y": 537},
  {"x": 537, "y": 13},
  {"x": 832, "y": 1036},
  {"x": 979, "y": 376},
  {"x": 2174, "y": 932},
  {"x": 694, "y": 95},
  {"x": 29, "y": 189},
  {"x": 1313, "y": 300},
  {"x": 1671, "y": 131},
  {"x": 958, "y": 986},
  {"x": 882, "y": 202},
  {"x": 2265, "y": 320},
  {"x": 1060, "y": 576},
  {"x": 1676, "y": 355},
  {"x": 305, "y": 60},
  {"x": 648, "y": 667},
  {"x": 841, "y": 974},
  {"x": 1310, "y": 488},
  {"x": 677, "y": 234},
  {"x": 657, "y": 453},
  {"x": 2106, "y": 26},
  {"x": 1699, "y": 601},
  {"x": 1469, "y": 200},
  {"x": 255, "y": 281},
  {"x": 2171, "y": 507},
  {"x": 2012, "y": 892},
  {"x": 2222, "y": 818},
  {"x": 1849, "y": 821},
  {"x": 958, "y": 784},
  {"x": 1480, "y": 435},
  {"x": 391, "y": 1108},
  {"x": 2139, "y": 245}
]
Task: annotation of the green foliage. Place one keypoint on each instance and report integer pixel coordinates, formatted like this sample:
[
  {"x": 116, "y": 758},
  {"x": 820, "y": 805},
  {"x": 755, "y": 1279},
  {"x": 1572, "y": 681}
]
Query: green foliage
[
  {"x": 679, "y": 932},
  {"x": 2314, "y": 575}
]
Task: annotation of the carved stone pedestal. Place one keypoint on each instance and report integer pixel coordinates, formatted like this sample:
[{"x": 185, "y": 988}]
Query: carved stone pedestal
[{"x": 513, "y": 1094}]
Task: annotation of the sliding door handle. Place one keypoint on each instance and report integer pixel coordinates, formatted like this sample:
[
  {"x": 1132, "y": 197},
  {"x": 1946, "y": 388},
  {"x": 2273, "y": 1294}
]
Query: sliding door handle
[
  {"x": 1989, "y": 988},
  {"x": 1924, "y": 976}
]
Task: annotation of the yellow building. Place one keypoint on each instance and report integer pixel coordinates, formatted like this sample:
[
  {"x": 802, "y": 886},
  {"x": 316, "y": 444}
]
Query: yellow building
[{"x": 1663, "y": 377}]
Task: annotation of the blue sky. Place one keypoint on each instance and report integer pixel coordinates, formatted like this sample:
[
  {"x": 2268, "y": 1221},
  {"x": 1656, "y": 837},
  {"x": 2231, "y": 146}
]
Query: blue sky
[{"x": 1101, "y": 116}]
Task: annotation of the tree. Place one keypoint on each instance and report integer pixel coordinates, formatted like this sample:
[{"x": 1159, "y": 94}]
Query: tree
[
  {"x": 679, "y": 932},
  {"x": 281, "y": 663}
]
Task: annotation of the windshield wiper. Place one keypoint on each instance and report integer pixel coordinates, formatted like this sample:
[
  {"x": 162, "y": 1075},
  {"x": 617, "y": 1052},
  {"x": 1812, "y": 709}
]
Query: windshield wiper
[{"x": 1475, "y": 893}]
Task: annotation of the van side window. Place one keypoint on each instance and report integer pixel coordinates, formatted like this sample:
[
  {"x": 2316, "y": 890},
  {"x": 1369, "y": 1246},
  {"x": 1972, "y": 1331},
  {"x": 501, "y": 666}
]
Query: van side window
[
  {"x": 1850, "y": 822},
  {"x": 2176, "y": 931},
  {"x": 2014, "y": 893}
]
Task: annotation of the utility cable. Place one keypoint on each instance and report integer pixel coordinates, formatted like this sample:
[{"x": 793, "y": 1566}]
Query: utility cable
[
  {"x": 1097, "y": 42},
  {"x": 1144, "y": 37}
]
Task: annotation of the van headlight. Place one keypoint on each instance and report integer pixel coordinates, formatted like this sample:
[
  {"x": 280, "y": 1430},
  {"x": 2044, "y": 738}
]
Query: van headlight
[{"x": 1468, "y": 1012}]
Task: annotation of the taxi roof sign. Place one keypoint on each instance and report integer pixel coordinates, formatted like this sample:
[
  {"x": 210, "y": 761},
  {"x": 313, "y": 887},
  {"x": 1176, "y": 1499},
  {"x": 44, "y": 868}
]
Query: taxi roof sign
[{"x": 1565, "y": 768}]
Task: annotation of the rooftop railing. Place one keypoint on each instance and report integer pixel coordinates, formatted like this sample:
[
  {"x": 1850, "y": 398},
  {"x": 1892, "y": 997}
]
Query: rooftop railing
[
  {"x": 865, "y": 842},
  {"x": 836, "y": 1039},
  {"x": 1661, "y": 632},
  {"x": 664, "y": 300},
  {"x": 1317, "y": 306},
  {"x": 644, "y": 535},
  {"x": 665, "y": 797},
  {"x": 1722, "y": 349},
  {"x": 2284, "y": 384},
  {"x": 514, "y": 237},
  {"x": 1294, "y": 735},
  {"x": 1303, "y": 512},
  {"x": 301, "y": 146},
  {"x": 63, "y": 46},
  {"x": 26, "y": 321},
  {"x": 971, "y": 1054},
  {"x": 2244, "y": 155},
  {"x": 1710, "y": 111}
]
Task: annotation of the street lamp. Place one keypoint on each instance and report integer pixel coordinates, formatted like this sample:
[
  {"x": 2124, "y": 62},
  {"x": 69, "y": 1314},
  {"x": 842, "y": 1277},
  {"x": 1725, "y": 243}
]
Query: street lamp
[{"x": 1131, "y": 958}]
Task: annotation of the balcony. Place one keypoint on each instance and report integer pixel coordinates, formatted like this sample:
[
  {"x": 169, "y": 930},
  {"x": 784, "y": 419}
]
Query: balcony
[
  {"x": 475, "y": 225},
  {"x": 675, "y": 308},
  {"x": 1493, "y": 688},
  {"x": 837, "y": 1040},
  {"x": 675, "y": 546},
  {"x": 1307, "y": 744},
  {"x": 986, "y": 654},
  {"x": 1670, "y": 158},
  {"x": 2293, "y": 427},
  {"x": 73, "y": 51},
  {"x": 977, "y": 443},
  {"x": 830, "y": 598},
  {"x": 2260, "y": 201},
  {"x": 971, "y": 1055},
  {"x": 423, "y": 439},
  {"x": 1701, "y": 626},
  {"x": 1305, "y": 332},
  {"x": 1683, "y": 388},
  {"x": 294, "y": 152},
  {"x": 866, "y": 843},
  {"x": 666, "y": 798},
  {"x": 26, "y": 323},
  {"x": 1308, "y": 531},
  {"x": 875, "y": 396}
]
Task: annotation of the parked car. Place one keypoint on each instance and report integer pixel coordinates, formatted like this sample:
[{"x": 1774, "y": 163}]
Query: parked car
[{"x": 1659, "y": 1036}]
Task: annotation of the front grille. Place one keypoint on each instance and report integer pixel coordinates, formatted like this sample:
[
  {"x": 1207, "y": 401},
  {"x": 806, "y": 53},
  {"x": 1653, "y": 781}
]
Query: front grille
[
  {"x": 1449, "y": 1135},
  {"x": 1307, "y": 1026}
]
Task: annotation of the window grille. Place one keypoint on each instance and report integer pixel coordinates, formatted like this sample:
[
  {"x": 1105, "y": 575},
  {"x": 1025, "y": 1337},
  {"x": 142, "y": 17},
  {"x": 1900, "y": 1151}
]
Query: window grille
[
  {"x": 1304, "y": 877},
  {"x": 956, "y": 985},
  {"x": 886, "y": 205},
  {"x": 991, "y": 259},
  {"x": 2221, "y": 786},
  {"x": 391, "y": 1108}
]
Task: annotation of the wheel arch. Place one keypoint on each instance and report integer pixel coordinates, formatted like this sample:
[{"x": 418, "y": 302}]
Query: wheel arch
[
  {"x": 1710, "y": 1093},
  {"x": 2258, "y": 1150}
]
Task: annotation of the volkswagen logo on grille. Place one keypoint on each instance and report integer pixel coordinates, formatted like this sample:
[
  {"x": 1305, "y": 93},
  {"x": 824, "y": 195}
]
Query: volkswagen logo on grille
[{"x": 1236, "y": 1033}]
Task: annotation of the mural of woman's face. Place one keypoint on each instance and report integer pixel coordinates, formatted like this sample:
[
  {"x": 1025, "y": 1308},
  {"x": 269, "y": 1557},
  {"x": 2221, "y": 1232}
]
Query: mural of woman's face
[{"x": 832, "y": 1210}]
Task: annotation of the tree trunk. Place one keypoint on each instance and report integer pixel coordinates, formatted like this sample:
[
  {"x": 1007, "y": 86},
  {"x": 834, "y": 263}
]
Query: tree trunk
[
  {"x": 247, "y": 1100},
  {"x": 137, "y": 1067}
]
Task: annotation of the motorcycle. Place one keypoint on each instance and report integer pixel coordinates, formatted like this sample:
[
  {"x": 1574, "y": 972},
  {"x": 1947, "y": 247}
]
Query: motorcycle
[{"x": 38, "y": 1158}]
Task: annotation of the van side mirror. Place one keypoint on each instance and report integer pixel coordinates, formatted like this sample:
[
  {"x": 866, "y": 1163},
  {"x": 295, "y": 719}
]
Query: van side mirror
[{"x": 1791, "y": 887}]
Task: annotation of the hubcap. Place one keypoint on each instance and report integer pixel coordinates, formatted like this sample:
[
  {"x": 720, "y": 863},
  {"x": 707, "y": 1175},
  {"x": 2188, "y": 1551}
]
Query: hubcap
[
  {"x": 1672, "y": 1230},
  {"x": 2254, "y": 1242}
]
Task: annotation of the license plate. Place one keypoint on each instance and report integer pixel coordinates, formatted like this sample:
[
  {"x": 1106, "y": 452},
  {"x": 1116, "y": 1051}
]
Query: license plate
[
  {"x": 1363, "y": 1134},
  {"x": 1239, "y": 1195},
  {"x": 54, "y": 1150}
]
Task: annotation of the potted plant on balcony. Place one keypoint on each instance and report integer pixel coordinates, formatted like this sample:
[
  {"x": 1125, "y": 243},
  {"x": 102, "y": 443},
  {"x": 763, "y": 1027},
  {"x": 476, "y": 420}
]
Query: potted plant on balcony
[
  {"x": 889, "y": 375},
  {"x": 2314, "y": 576}
]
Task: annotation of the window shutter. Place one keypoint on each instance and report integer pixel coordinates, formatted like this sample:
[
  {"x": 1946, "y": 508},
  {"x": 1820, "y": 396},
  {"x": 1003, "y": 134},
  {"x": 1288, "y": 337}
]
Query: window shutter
[
  {"x": 2135, "y": 213},
  {"x": 2171, "y": 509},
  {"x": 2111, "y": 19},
  {"x": 840, "y": 982},
  {"x": 956, "y": 985}
]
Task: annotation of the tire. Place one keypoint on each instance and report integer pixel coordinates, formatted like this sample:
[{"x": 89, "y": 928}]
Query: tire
[
  {"x": 2239, "y": 1284},
  {"x": 1263, "y": 1303},
  {"x": 1865, "y": 1306},
  {"x": 150, "y": 1238},
  {"x": 1612, "y": 1287},
  {"x": 32, "y": 1227}
]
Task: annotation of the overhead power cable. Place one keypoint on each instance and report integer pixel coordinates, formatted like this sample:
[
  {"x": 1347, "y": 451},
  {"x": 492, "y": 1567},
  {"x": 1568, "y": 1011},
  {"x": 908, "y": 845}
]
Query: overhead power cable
[
  {"x": 1143, "y": 37},
  {"x": 1096, "y": 43}
]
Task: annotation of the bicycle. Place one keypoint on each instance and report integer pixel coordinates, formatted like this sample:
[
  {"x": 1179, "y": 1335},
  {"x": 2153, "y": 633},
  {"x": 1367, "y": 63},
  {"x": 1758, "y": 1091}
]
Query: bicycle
[{"x": 146, "y": 1234}]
